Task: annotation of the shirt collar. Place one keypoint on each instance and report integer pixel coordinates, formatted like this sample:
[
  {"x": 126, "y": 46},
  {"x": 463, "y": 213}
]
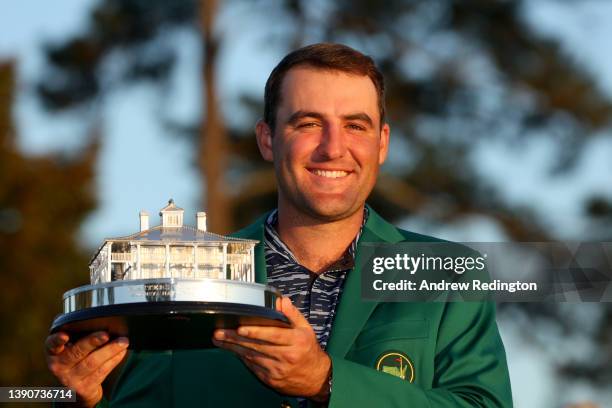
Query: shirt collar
[{"x": 346, "y": 261}]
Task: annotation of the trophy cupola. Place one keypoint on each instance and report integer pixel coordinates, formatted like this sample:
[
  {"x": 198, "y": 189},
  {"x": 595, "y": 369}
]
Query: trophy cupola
[{"x": 171, "y": 215}]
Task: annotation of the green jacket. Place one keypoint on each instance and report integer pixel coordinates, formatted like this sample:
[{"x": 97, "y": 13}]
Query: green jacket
[{"x": 449, "y": 354}]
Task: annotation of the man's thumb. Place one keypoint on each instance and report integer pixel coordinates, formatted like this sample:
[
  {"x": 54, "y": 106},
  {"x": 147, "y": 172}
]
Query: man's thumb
[{"x": 293, "y": 314}]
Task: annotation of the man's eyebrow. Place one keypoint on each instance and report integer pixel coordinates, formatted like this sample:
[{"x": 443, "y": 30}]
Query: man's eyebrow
[
  {"x": 297, "y": 115},
  {"x": 300, "y": 114},
  {"x": 360, "y": 116}
]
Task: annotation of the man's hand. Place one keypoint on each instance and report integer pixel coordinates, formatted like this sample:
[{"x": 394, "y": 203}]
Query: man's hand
[
  {"x": 289, "y": 360},
  {"x": 84, "y": 365}
]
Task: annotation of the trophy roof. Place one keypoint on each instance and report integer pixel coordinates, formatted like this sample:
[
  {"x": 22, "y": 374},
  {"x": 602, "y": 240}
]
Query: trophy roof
[
  {"x": 176, "y": 236},
  {"x": 185, "y": 233}
]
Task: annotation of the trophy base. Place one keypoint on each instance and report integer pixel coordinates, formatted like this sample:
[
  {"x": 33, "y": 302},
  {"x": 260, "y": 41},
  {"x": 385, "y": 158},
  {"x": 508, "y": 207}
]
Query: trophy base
[
  {"x": 167, "y": 313},
  {"x": 166, "y": 325}
]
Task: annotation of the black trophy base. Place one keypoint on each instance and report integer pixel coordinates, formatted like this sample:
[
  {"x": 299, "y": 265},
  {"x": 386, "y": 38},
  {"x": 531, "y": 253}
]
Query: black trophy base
[{"x": 165, "y": 325}]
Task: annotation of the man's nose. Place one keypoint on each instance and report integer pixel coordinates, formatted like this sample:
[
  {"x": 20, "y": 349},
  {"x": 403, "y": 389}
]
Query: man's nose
[{"x": 333, "y": 143}]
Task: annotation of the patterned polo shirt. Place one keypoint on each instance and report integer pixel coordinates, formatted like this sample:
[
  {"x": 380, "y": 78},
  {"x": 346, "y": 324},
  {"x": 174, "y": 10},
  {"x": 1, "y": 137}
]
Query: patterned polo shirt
[{"x": 315, "y": 295}]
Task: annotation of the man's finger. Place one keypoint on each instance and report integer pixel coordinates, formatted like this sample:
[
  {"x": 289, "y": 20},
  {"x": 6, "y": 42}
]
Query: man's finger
[
  {"x": 268, "y": 334},
  {"x": 99, "y": 357},
  {"x": 100, "y": 374},
  {"x": 224, "y": 334},
  {"x": 293, "y": 314},
  {"x": 55, "y": 342},
  {"x": 246, "y": 349},
  {"x": 264, "y": 347},
  {"x": 82, "y": 348}
]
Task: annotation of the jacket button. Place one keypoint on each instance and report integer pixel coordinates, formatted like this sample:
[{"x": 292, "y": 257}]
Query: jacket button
[{"x": 285, "y": 404}]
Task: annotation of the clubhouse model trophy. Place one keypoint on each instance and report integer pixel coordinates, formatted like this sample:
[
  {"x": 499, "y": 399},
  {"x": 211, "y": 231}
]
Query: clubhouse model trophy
[{"x": 169, "y": 287}]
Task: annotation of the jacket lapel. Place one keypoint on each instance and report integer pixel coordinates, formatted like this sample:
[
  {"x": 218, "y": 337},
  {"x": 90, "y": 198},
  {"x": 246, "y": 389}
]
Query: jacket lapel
[{"x": 353, "y": 312}]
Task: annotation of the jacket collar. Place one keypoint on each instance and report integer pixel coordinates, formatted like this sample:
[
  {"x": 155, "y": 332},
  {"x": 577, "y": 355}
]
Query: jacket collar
[{"x": 352, "y": 311}]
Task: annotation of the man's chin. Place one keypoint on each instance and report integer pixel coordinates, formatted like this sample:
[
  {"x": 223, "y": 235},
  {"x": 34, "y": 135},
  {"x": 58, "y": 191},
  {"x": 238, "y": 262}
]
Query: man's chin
[{"x": 332, "y": 211}]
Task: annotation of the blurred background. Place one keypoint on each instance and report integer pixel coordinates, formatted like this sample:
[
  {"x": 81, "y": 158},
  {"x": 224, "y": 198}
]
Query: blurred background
[{"x": 501, "y": 130}]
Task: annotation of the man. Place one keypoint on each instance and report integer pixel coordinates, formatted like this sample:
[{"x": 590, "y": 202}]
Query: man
[{"x": 324, "y": 130}]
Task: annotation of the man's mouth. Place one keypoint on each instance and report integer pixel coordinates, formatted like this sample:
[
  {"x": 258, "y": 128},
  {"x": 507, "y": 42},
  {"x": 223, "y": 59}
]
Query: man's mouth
[{"x": 329, "y": 173}]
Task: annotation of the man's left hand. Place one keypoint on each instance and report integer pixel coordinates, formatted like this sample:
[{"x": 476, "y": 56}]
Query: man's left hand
[{"x": 289, "y": 360}]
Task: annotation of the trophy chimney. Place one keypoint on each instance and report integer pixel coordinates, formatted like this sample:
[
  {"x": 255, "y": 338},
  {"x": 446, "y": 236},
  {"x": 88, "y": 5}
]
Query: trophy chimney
[
  {"x": 201, "y": 220},
  {"x": 144, "y": 221}
]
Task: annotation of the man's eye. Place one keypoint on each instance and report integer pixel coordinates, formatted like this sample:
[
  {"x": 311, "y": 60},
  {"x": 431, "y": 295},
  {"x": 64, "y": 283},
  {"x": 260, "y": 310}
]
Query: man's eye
[
  {"x": 355, "y": 126},
  {"x": 308, "y": 125}
]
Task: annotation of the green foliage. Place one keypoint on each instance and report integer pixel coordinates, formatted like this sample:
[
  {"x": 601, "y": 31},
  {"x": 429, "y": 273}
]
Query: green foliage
[
  {"x": 43, "y": 201},
  {"x": 130, "y": 26},
  {"x": 458, "y": 72}
]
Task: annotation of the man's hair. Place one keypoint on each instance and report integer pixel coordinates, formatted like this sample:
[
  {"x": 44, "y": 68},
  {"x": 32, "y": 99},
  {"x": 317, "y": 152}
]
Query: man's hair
[{"x": 324, "y": 56}]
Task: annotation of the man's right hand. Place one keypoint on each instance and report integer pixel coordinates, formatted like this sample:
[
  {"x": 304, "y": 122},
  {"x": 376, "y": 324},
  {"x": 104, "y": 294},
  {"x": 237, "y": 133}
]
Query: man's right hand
[{"x": 84, "y": 365}]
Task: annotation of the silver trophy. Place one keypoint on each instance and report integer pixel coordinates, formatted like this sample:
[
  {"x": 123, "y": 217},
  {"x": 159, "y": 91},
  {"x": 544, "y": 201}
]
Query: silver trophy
[{"x": 170, "y": 286}]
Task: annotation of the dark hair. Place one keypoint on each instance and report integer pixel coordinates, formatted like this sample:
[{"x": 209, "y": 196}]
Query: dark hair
[{"x": 325, "y": 56}]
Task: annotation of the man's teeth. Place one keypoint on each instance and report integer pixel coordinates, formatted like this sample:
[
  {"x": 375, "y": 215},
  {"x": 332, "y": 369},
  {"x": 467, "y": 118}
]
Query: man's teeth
[{"x": 330, "y": 174}]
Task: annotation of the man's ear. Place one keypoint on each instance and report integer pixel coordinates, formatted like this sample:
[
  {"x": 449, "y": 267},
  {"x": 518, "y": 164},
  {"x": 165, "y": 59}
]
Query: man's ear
[
  {"x": 384, "y": 143},
  {"x": 263, "y": 133}
]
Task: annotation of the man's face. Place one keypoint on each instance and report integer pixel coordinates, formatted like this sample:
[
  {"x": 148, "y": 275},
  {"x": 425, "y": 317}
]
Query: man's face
[{"x": 328, "y": 142}]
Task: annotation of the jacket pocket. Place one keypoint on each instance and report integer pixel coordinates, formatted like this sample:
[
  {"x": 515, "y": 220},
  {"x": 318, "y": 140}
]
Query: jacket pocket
[{"x": 400, "y": 330}]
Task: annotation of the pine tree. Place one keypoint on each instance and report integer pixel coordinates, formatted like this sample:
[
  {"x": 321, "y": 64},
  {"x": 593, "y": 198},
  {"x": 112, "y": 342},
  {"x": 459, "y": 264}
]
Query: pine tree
[{"x": 43, "y": 201}]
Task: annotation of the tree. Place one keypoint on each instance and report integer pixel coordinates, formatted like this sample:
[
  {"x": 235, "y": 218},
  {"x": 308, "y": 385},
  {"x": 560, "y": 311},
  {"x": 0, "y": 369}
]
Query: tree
[
  {"x": 137, "y": 26},
  {"x": 43, "y": 201}
]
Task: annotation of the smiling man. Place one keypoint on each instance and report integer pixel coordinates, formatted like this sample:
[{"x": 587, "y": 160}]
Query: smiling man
[
  {"x": 328, "y": 142},
  {"x": 324, "y": 130}
]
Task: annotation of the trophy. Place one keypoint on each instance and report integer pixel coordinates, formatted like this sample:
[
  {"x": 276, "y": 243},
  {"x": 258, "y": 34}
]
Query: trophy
[{"x": 170, "y": 286}]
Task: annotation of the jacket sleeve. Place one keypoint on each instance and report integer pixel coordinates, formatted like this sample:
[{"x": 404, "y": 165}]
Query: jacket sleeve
[{"x": 470, "y": 368}]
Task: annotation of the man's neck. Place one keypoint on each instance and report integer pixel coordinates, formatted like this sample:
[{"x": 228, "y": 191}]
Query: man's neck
[{"x": 315, "y": 243}]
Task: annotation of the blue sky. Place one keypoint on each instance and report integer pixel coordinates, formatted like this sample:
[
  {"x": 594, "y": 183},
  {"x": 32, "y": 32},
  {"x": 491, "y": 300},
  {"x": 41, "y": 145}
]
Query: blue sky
[{"x": 141, "y": 166}]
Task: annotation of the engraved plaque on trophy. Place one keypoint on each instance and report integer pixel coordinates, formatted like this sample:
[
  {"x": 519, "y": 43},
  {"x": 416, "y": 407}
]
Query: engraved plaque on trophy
[{"x": 170, "y": 286}]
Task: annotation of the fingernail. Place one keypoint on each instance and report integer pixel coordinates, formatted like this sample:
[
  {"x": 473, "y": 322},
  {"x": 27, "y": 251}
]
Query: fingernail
[
  {"x": 122, "y": 341},
  {"x": 243, "y": 331},
  {"x": 102, "y": 337},
  {"x": 219, "y": 334}
]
